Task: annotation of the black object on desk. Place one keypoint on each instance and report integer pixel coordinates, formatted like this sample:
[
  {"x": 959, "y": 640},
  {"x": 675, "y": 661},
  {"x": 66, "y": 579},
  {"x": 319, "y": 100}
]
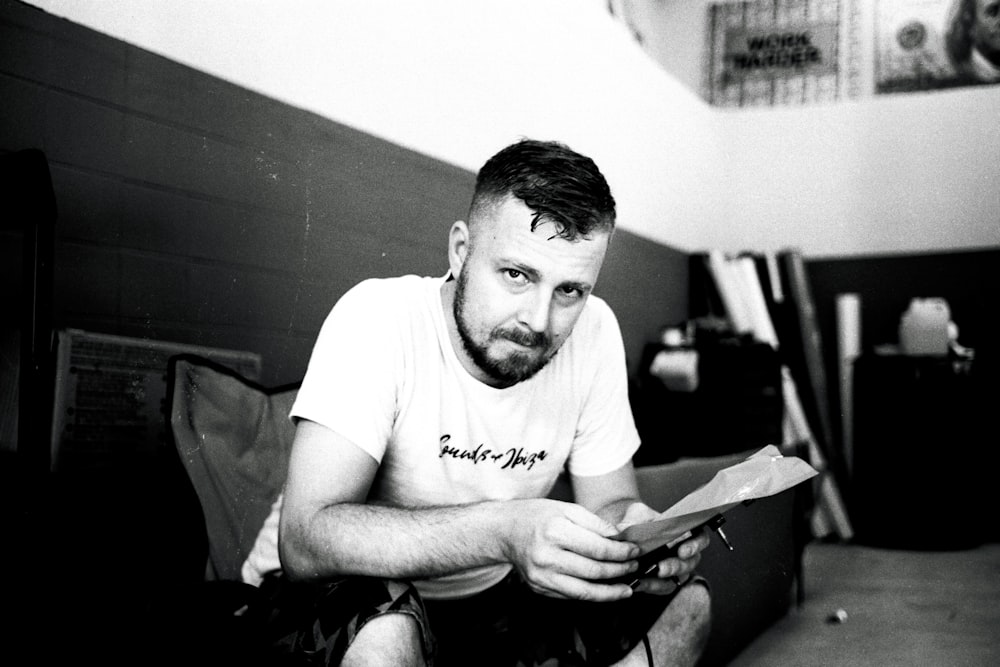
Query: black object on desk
[
  {"x": 737, "y": 406},
  {"x": 921, "y": 453}
]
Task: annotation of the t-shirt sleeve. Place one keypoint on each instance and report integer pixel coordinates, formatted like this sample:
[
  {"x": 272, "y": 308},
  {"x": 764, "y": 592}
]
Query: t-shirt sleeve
[
  {"x": 350, "y": 383},
  {"x": 606, "y": 437}
]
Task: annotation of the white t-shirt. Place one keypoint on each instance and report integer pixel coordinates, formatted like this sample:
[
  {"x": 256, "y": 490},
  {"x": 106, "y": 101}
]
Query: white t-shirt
[{"x": 384, "y": 375}]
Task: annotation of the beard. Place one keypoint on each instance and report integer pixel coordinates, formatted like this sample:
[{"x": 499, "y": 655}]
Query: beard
[{"x": 516, "y": 366}]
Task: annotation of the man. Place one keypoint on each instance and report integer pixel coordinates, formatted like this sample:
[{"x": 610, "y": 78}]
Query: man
[{"x": 433, "y": 421}]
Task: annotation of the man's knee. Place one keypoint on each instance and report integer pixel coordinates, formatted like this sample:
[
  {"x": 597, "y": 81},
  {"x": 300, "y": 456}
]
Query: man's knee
[
  {"x": 694, "y": 604},
  {"x": 389, "y": 639},
  {"x": 680, "y": 634}
]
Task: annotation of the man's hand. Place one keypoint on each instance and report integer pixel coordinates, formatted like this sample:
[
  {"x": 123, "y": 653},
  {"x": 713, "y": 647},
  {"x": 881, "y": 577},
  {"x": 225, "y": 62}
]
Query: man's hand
[
  {"x": 560, "y": 549},
  {"x": 671, "y": 572}
]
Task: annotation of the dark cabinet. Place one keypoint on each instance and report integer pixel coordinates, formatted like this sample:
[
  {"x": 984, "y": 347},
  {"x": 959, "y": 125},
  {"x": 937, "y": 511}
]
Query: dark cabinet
[{"x": 923, "y": 456}]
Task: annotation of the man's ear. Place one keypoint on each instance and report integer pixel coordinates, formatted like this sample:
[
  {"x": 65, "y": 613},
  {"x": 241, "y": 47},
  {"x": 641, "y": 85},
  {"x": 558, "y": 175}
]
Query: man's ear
[{"x": 458, "y": 246}]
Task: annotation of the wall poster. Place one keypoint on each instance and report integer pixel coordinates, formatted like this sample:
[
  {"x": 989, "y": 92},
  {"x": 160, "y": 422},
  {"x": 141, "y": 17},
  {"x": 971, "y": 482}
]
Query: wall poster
[
  {"x": 930, "y": 44},
  {"x": 784, "y": 52},
  {"x": 111, "y": 394},
  {"x": 770, "y": 52}
]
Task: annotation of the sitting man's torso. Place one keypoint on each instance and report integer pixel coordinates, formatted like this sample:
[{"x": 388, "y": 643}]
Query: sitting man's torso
[{"x": 441, "y": 436}]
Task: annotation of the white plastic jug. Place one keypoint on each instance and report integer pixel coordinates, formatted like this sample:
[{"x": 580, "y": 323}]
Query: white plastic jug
[{"x": 923, "y": 328}]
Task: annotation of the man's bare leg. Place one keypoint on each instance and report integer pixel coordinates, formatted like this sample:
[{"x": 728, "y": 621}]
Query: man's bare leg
[
  {"x": 390, "y": 640},
  {"x": 678, "y": 636}
]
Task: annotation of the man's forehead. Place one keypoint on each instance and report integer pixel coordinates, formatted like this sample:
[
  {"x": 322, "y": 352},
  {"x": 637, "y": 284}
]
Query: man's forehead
[
  {"x": 512, "y": 214},
  {"x": 508, "y": 239}
]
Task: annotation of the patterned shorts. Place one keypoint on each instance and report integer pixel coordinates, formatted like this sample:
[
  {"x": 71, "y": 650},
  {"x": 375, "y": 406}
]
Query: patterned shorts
[
  {"x": 508, "y": 624},
  {"x": 314, "y": 624}
]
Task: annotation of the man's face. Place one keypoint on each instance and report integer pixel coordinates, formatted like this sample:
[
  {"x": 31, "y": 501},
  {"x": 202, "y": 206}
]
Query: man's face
[{"x": 519, "y": 292}]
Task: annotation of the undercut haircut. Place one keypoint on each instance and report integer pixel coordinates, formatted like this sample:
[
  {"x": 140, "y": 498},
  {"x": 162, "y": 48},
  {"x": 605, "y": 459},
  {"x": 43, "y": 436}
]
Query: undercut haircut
[{"x": 559, "y": 185}]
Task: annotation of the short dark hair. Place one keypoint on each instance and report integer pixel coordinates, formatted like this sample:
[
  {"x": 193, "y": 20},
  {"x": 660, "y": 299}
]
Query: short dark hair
[{"x": 560, "y": 185}]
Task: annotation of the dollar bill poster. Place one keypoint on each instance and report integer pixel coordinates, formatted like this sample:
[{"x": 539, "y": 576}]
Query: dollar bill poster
[{"x": 932, "y": 44}]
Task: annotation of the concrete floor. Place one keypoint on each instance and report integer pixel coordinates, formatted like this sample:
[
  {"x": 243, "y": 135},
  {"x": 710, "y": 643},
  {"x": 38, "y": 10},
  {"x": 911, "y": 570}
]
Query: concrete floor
[{"x": 937, "y": 608}]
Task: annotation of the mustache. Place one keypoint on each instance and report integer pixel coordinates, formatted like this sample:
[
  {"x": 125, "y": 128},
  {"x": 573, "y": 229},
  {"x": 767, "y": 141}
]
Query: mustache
[{"x": 526, "y": 338}]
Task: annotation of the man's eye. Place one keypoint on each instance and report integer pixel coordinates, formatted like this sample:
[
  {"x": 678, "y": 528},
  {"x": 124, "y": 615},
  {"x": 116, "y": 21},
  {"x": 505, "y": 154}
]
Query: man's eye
[
  {"x": 571, "y": 292},
  {"x": 514, "y": 275}
]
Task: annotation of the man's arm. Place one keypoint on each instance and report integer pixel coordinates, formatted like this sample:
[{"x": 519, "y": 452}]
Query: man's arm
[
  {"x": 609, "y": 495},
  {"x": 328, "y": 530},
  {"x": 615, "y": 498}
]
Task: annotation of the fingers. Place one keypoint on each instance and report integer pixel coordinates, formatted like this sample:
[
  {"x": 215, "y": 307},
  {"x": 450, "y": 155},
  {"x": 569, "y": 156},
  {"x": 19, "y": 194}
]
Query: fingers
[
  {"x": 581, "y": 567},
  {"x": 570, "y": 546},
  {"x": 572, "y": 576},
  {"x": 655, "y": 586},
  {"x": 588, "y": 520},
  {"x": 563, "y": 586},
  {"x": 568, "y": 553},
  {"x": 694, "y": 546},
  {"x": 588, "y": 535},
  {"x": 674, "y": 572}
]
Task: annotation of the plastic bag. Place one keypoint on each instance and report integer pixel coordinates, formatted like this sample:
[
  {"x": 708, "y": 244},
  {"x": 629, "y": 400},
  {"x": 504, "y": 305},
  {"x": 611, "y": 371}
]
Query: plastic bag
[{"x": 764, "y": 473}]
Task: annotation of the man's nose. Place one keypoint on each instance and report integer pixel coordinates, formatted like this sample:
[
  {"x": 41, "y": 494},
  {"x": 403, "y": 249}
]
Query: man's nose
[{"x": 536, "y": 310}]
